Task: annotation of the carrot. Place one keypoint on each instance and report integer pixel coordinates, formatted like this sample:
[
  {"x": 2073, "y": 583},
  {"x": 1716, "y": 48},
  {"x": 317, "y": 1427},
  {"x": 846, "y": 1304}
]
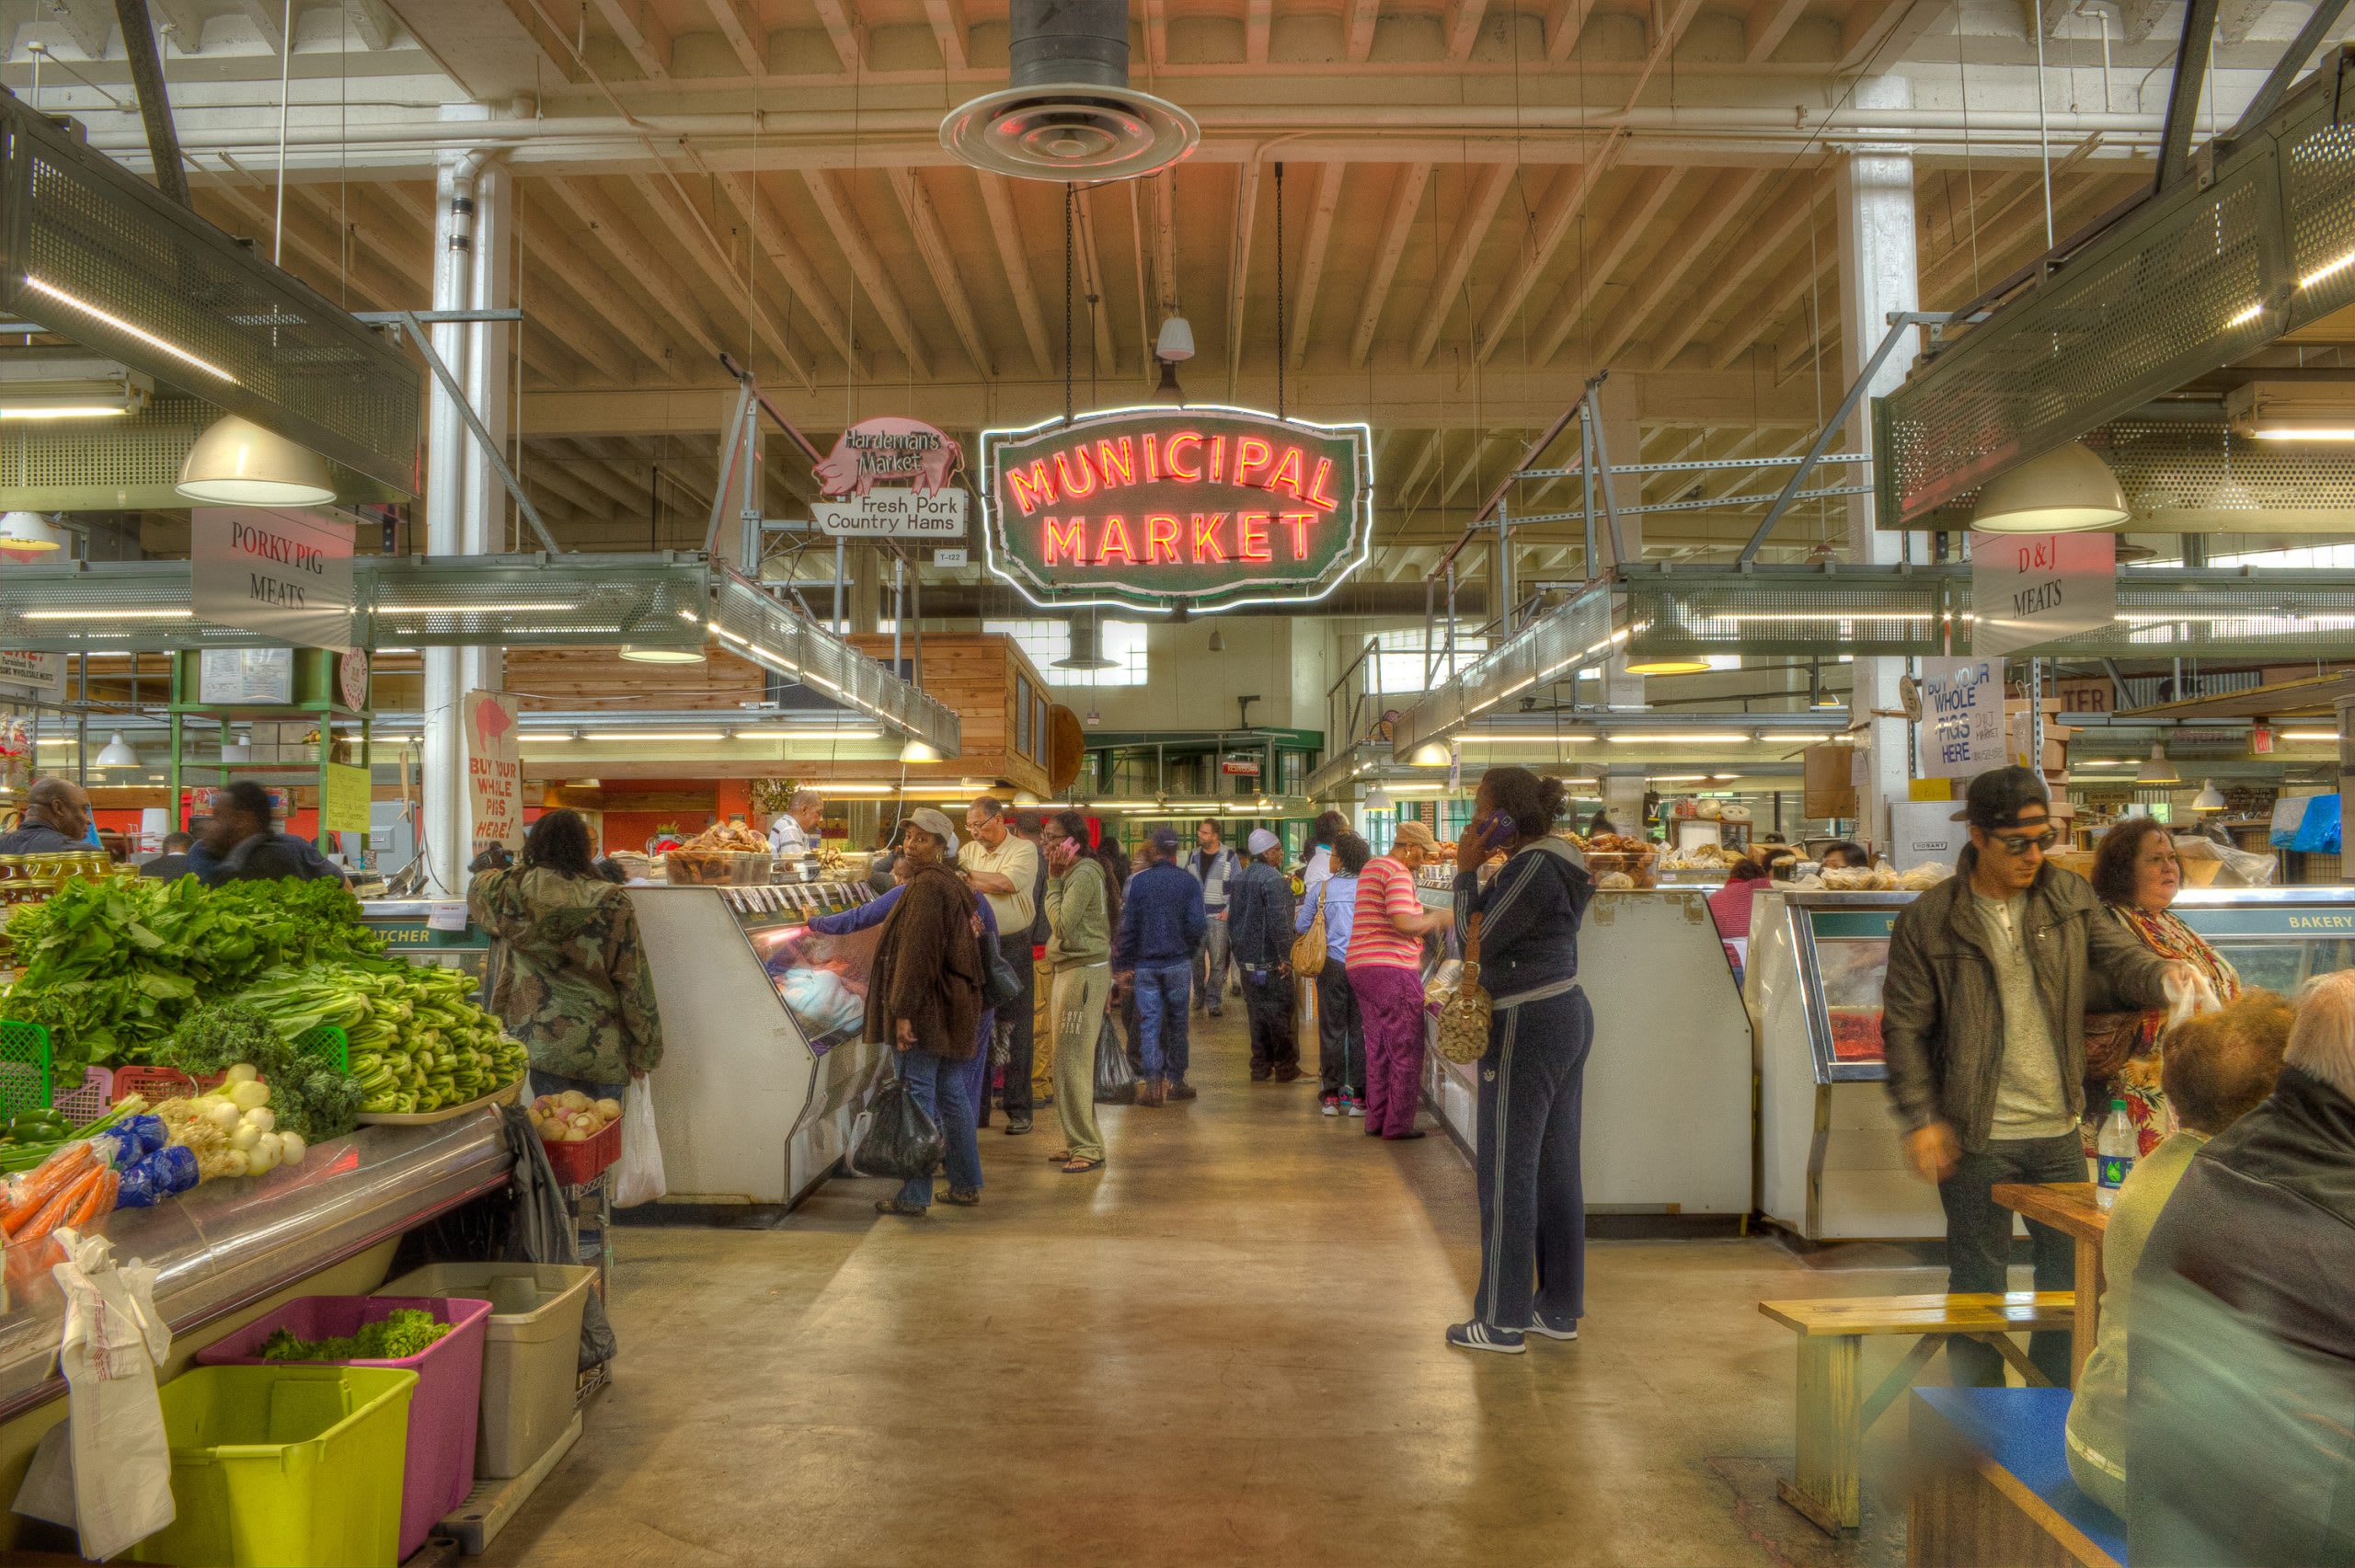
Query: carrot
[
  {"x": 60, "y": 1171},
  {"x": 52, "y": 1213},
  {"x": 98, "y": 1204}
]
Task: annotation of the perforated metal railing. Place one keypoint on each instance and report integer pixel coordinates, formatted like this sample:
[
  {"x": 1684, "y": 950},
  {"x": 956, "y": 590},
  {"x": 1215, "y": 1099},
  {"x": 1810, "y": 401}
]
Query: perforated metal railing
[
  {"x": 772, "y": 632},
  {"x": 97, "y": 254},
  {"x": 531, "y": 601},
  {"x": 1790, "y": 611},
  {"x": 2190, "y": 282},
  {"x": 1552, "y": 648}
]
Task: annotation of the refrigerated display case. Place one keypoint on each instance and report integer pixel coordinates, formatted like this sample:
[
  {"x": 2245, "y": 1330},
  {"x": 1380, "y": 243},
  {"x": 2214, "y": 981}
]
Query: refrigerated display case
[
  {"x": 762, "y": 1066},
  {"x": 1830, "y": 1162},
  {"x": 1666, "y": 1126},
  {"x": 428, "y": 931}
]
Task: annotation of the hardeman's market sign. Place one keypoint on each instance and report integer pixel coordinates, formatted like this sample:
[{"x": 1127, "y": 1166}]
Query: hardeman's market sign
[{"x": 1207, "y": 508}]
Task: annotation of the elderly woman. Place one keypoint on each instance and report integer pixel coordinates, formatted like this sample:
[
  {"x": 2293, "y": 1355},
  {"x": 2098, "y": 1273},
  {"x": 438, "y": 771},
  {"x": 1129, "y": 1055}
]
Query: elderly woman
[
  {"x": 2137, "y": 875},
  {"x": 1385, "y": 962},
  {"x": 925, "y": 1001}
]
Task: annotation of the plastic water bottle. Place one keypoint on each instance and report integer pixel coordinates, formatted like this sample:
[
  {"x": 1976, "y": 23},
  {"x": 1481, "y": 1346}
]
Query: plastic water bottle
[{"x": 2114, "y": 1154}]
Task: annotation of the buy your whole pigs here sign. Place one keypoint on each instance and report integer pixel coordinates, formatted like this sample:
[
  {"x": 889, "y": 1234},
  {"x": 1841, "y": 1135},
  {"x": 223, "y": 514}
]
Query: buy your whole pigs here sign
[{"x": 1154, "y": 508}]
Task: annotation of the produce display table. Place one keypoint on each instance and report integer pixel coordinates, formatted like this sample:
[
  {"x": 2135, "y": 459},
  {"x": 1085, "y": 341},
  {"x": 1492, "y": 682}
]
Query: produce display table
[{"x": 229, "y": 1244}]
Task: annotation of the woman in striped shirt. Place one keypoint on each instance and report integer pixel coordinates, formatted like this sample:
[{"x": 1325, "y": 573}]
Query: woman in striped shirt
[{"x": 1386, "y": 965}]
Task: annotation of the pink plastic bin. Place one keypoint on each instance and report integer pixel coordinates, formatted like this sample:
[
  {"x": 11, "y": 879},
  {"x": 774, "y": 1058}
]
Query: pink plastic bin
[{"x": 441, "y": 1416}]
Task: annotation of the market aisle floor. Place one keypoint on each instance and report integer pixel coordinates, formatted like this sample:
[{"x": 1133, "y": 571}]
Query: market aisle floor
[{"x": 1224, "y": 1347}]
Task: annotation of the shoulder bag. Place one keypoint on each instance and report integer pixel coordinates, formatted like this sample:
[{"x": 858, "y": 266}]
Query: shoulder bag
[
  {"x": 1308, "y": 947},
  {"x": 1463, "y": 1017}
]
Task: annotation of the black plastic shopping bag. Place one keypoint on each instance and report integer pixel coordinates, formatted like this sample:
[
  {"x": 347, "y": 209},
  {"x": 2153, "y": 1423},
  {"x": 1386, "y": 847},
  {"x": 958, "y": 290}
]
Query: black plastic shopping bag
[
  {"x": 1116, "y": 1080},
  {"x": 896, "y": 1137}
]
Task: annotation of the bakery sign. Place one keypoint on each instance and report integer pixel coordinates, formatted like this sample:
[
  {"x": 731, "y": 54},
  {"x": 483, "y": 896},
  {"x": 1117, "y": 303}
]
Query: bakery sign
[{"x": 1158, "y": 508}]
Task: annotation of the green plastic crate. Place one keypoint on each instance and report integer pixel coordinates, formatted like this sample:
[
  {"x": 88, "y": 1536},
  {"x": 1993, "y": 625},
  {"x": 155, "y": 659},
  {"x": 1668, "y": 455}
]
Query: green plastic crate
[
  {"x": 327, "y": 1042},
  {"x": 23, "y": 1067}
]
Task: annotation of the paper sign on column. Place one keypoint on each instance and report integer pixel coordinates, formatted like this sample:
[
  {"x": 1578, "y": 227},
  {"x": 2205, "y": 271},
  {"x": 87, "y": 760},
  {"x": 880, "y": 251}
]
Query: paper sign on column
[
  {"x": 1961, "y": 732},
  {"x": 33, "y": 674},
  {"x": 494, "y": 771},
  {"x": 345, "y": 809},
  {"x": 286, "y": 575},
  {"x": 2027, "y": 590}
]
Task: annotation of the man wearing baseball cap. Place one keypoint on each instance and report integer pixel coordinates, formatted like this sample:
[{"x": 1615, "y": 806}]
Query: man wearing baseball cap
[
  {"x": 1991, "y": 975},
  {"x": 1259, "y": 915},
  {"x": 1152, "y": 952}
]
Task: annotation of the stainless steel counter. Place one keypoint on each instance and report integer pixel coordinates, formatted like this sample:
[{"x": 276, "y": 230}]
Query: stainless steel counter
[{"x": 232, "y": 1243}]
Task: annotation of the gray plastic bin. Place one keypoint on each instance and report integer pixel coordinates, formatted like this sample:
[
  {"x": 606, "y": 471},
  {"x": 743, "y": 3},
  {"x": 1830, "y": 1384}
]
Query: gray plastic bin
[{"x": 530, "y": 1357}]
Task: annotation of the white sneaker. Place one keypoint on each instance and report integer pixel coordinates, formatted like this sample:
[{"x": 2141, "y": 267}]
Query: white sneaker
[
  {"x": 1330, "y": 1108},
  {"x": 1539, "y": 1325},
  {"x": 1353, "y": 1107}
]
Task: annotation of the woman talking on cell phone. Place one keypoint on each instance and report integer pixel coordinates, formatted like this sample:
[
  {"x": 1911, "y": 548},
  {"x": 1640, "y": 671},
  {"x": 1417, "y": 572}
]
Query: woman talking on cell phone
[{"x": 1532, "y": 1212}]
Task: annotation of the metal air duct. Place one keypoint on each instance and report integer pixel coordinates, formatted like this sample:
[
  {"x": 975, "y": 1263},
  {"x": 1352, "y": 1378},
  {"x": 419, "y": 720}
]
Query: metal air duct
[{"x": 1070, "y": 113}]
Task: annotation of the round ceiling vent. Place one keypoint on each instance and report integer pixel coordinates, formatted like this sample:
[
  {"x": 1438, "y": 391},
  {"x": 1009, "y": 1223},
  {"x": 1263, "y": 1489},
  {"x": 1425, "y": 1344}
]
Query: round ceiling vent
[
  {"x": 1069, "y": 132},
  {"x": 1069, "y": 113}
]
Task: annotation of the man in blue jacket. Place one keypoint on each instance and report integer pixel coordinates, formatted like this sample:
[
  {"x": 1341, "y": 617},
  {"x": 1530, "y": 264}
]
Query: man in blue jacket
[
  {"x": 1259, "y": 911},
  {"x": 1162, "y": 922}
]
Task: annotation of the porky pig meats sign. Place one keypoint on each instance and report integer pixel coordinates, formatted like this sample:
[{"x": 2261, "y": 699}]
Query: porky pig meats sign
[
  {"x": 285, "y": 574},
  {"x": 1207, "y": 508}
]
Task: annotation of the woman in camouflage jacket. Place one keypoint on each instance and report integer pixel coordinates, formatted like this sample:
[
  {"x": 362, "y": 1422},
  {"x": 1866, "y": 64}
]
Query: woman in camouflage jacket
[{"x": 573, "y": 983}]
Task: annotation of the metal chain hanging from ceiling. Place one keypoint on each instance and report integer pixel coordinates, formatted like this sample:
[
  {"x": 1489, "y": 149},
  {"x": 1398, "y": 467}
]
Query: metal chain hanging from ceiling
[
  {"x": 1070, "y": 196},
  {"x": 1280, "y": 290}
]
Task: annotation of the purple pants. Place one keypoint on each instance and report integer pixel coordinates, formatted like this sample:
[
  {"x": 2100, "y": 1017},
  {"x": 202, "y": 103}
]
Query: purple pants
[{"x": 1390, "y": 1007}]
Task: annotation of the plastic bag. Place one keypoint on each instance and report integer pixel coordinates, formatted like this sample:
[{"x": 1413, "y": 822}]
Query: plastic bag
[
  {"x": 1116, "y": 1080},
  {"x": 117, "y": 1489},
  {"x": 896, "y": 1137},
  {"x": 2193, "y": 1000},
  {"x": 637, "y": 1174}
]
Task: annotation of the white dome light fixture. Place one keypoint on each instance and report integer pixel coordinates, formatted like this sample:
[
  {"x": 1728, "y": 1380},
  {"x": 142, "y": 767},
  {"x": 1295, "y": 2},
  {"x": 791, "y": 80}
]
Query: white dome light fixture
[
  {"x": 2067, "y": 490},
  {"x": 2209, "y": 797},
  {"x": 29, "y": 533},
  {"x": 916, "y": 750},
  {"x": 1431, "y": 754},
  {"x": 1378, "y": 799},
  {"x": 236, "y": 462},
  {"x": 656, "y": 653},
  {"x": 2156, "y": 769},
  {"x": 117, "y": 754}
]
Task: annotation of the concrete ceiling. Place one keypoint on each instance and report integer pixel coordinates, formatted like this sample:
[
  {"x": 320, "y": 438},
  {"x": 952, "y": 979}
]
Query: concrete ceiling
[{"x": 1483, "y": 203}]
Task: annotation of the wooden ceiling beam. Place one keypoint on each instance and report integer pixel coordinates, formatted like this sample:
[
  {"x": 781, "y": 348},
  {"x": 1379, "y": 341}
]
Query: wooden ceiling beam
[
  {"x": 1786, "y": 218},
  {"x": 641, "y": 32},
  {"x": 1238, "y": 266},
  {"x": 741, "y": 25},
  {"x": 948, "y": 19},
  {"x": 941, "y": 262},
  {"x": 372, "y": 21},
  {"x": 1769, "y": 22},
  {"x": 793, "y": 264},
  {"x": 1470, "y": 469},
  {"x": 1463, "y": 30},
  {"x": 1489, "y": 184},
  {"x": 848, "y": 38},
  {"x": 551, "y": 478},
  {"x": 653, "y": 269},
  {"x": 1092, "y": 280},
  {"x": 551, "y": 317},
  {"x": 1786, "y": 290},
  {"x": 866, "y": 265},
  {"x": 669, "y": 209},
  {"x": 1358, "y": 31},
  {"x": 1725, "y": 197},
  {"x": 1313, "y": 250},
  {"x": 1259, "y": 20},
  {"x": 1564, "y": 199},
  {"x": 1563, "y": 27},
  {"x": 1628, "y": 223},
  {"x": 620, "y": 316},
  {"x": 997, "y": 200},
  {"x": 1397, "y": 228}
]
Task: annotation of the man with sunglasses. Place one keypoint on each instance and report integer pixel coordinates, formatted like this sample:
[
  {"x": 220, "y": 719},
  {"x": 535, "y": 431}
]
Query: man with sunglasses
[{"x": 1991, "y": 975}]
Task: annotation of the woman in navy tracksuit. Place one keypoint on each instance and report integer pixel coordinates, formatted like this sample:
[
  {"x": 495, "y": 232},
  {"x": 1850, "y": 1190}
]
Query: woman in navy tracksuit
[{"x": 1532, "y": 1212}]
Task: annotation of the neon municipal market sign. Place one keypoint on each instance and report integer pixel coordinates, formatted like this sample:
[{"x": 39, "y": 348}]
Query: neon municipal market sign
[{"x": 1206, "y": 508}]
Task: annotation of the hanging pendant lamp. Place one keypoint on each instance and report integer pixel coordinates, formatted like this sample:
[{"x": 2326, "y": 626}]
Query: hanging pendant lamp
[
  {"x": 2209, "y": 797},
  {"x": 117, "y": 754},
  {"x": 26, "y": 534},
  {"x": 2156, "y": 769},
  {"x": 2067, "y": 490},
  {"x": 657, "y": 655},
  {"x": 236, "y": 462}
]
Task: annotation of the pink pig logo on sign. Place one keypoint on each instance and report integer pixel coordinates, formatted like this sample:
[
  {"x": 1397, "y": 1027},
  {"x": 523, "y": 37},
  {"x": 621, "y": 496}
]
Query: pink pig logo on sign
[
  {"x": 491, "y": 719},
  {"x": 887, "y": 450}
]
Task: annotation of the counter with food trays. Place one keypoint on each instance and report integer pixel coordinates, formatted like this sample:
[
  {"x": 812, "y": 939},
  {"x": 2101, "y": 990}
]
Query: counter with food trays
[{"x": 1666, "y": 1105}]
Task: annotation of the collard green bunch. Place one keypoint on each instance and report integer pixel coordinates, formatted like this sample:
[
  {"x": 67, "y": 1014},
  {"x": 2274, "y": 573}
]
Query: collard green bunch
[
  {"x": 110, "y": 965},
  {"x": 418, "y": 1043}
]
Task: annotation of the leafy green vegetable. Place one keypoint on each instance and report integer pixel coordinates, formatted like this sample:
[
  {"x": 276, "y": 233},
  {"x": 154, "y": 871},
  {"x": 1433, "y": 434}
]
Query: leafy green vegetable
[
  {"x": 306, "y": 1094},
  {"x": 404, "y": 1332},
  {"x": 418, "y": 1043}
]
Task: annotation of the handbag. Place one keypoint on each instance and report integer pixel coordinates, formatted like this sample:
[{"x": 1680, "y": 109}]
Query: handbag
[
  {"x": 896, "y": 1137},
  {"x": 1308, "y": 948},
  {"x": 1463, "y": 1018},
  {"x": 1116, "y": 1079},
  {"x": 1002, "y": 986}
]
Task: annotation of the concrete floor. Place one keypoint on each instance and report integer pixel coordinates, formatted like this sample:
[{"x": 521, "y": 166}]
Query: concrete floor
[{"x": 1222, "y": 1347}]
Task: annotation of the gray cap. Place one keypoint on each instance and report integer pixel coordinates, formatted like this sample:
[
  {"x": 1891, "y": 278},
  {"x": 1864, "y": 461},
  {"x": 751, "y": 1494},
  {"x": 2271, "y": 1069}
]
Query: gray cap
[
  {"x": 934, "y": 822},
  {"x": 1163, "y": 838}
]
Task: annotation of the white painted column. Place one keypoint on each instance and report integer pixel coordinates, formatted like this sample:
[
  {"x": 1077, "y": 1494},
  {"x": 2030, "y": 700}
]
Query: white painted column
[
  {"x": 1879, "y": 273},
  {"x": 449, "y": 673}
]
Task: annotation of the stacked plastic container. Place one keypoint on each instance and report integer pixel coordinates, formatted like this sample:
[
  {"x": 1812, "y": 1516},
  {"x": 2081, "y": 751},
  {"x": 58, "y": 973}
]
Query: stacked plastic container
[
  {"x": 443, "y": 1415},
  {"x": 531, "y": 1364}
]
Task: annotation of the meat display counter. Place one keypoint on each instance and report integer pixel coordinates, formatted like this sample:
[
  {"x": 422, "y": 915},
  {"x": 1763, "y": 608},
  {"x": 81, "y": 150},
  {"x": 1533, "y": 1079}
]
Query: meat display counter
[
  {"x": 1666, "y": 1121},
  {"x": 1832, "y": 1164},
  {"x": 763, "y": 1066}
]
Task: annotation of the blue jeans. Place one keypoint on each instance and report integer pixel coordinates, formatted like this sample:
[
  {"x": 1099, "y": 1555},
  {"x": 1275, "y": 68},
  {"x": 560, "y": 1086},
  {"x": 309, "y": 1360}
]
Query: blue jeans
[
  {"x": 938, "y": 1086},
  {"x": 546, "y": 1083},
  {"x": 1161, "y": 1018}
]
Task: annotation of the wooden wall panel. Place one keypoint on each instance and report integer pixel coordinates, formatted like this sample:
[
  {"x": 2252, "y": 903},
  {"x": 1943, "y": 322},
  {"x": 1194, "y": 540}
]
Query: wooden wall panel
[{"x": 574, "y": 679}]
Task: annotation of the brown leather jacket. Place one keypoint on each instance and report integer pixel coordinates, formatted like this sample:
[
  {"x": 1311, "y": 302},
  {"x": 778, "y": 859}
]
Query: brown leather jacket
[
  {"x": 928, "y": 967},
  {"x": 1942, "y": 1019}
]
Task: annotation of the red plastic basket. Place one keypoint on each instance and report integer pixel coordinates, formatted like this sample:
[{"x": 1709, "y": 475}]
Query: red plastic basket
[
  {"x": 578, "y": 1165},
  {"x": 88, "y": 1100},
  {"x": 156, "y": 1085}
]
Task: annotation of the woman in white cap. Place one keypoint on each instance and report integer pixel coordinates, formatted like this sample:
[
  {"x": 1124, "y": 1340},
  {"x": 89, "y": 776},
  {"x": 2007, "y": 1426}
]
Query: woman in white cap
[
  {"x": 1259, "y": 918},
  {"x": 1386, "y": 965}
]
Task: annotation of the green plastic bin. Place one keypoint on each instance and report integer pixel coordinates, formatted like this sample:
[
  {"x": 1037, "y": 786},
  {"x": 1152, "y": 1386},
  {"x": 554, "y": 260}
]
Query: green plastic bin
[{"x": 285, "y": 1467}]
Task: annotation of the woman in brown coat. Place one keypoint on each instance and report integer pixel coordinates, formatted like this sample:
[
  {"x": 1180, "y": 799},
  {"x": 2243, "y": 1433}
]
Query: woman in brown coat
[{"x": 924, "y": 999}]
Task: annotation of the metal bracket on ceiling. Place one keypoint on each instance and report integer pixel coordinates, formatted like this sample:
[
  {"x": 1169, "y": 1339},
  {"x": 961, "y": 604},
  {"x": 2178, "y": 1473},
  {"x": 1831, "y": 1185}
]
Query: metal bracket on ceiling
[
  {"x": 2183, "y": 93},
  {"x": 497, "y": 459}
]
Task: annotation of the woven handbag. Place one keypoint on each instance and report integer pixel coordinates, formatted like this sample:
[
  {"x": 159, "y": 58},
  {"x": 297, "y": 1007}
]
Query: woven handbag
[
  {"x": 1308, "y": 947},
  {"x": 1463, "y": 1017}
]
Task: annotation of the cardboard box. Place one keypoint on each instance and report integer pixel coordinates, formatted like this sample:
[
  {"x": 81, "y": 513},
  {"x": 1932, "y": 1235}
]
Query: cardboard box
[{"x": 1830, "y": 787}]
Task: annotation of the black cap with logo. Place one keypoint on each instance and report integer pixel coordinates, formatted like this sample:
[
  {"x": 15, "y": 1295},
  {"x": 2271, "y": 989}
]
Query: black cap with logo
[{"x": 1997, "y": 797}]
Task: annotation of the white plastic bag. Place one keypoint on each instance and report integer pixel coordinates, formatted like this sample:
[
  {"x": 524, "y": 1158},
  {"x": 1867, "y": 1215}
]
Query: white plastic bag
[
  {"x": 2191, "y": 1001},
  {"x": 637, "y": 1174},
  {"x": 119, "y": 1488}
]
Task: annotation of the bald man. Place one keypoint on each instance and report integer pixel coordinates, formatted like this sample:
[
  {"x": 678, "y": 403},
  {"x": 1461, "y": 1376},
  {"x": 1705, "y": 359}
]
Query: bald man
[{"x": 57, "y": 816}]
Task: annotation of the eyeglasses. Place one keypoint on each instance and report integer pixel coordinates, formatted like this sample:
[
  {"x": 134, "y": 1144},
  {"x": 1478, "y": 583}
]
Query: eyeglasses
[{"x": 2020, "y": 843}]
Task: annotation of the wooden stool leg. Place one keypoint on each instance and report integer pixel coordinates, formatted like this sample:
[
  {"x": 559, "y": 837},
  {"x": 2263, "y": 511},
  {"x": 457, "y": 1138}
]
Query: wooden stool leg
[{"x": 1830, "y": 1438}]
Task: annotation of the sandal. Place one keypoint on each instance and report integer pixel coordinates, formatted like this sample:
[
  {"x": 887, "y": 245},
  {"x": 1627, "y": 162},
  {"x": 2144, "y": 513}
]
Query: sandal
[
  {"x": 893, "y": 1205},
  {"x": 963, "y": 1197},
  {"x": 1080, "y": 1165},
  {"x": 1059, "y": 1159}
]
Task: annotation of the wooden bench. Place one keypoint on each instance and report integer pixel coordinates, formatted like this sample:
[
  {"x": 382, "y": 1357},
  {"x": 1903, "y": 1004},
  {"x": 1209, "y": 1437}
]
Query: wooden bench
[
  {"x": 1833, "y": 1413},
  {"x": 1992, "y": 1487}
]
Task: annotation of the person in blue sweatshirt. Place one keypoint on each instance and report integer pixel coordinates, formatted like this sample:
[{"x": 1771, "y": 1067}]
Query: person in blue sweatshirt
[{"x": 1162, "y": 925}]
